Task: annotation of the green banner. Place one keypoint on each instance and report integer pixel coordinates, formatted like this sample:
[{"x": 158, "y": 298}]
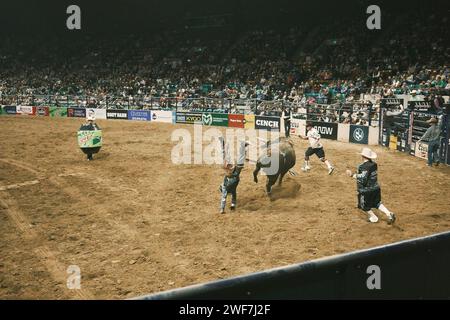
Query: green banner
[
  {"x": 57, "y": 112},
  {"x": 89, "y": 138},
  {"x": 215, "y": 119}
]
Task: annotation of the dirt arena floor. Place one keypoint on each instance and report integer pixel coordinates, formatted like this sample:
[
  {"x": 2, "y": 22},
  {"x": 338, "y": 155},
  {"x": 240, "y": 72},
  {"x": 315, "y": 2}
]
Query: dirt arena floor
[{"x": 135, "y": 223}]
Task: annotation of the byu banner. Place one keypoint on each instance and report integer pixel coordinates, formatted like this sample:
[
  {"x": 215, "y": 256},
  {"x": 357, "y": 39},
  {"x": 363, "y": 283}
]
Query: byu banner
[{"x": 140, "y": 115}]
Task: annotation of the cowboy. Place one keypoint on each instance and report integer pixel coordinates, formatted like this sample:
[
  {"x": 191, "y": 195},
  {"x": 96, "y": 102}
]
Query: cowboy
[
  {"x": 315, "y": 148},
  {"x": 287, "y": 121},
  {"x": 432, "y": 135},
  {"x": 369, "y": 192},
  {"x": 229, "y": 185}
]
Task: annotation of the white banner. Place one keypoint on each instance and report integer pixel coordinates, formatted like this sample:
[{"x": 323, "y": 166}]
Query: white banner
[
  {"x": 421, "y": 150},
  {"x": 97, "y": 113},
  {"x": 298, "y": 126},
  {"x": 162, "y": 116},
  {"x": 24, "y": 110}
]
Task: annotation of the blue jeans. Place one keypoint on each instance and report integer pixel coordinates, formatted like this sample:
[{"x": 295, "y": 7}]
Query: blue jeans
[
  {"x": 433, "y": 156},
  {"x": 223, "y": 199}
]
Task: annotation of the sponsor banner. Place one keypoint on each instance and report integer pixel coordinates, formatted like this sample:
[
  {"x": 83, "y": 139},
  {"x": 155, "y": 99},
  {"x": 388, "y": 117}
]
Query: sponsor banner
[
  {"x": 412, "y": 148},
  {"x": 423, "y": 106},
  {"x": 189, "y": 117},
  {"x": 392, "y": 102},
  {"x": 215, "y": 119},
  {"x": 76, "y": 112},
  {"x": 26, "y": 110},
  {"x": 359, "y": 134},
  {"x": 421, "y": 150},
  {"x": 267, "y": 123},
  {"x": 162, "y": 116},
  {"x": 97, "y": 113},
  {"x": 249, "y": 121},
  {"x": 89, "y": 138},
  {"x": 140, "y": 115},
  {"x": 327, "y": 130},
  {"x": 117, "y": 114},
  {"x": 57, "y": 112},
  {"x": 236, "y": 120},
  {"x": 9, "y": 109},
  {"x": 393, "y": 142},
  {"x": 298, "y": 126},
  {"x": 42, "y": 111}
]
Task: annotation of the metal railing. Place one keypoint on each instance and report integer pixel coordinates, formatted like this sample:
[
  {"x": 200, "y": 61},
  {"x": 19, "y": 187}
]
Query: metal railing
[{"x": 341, "y": 112}]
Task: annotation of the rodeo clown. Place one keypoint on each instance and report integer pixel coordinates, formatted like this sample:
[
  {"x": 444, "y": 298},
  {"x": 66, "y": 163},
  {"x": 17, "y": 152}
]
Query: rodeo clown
[
  {"x": 90, "y": 137},
  {"x": 231, "y": 178},
  {"x": 315, "y": 148},
  {"x": 369, "y": 192}
]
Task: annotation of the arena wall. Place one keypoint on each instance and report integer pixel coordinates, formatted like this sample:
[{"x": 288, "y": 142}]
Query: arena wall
[
  {"x": 366, "y": 135},
  {"x": 411, "y": 269}
]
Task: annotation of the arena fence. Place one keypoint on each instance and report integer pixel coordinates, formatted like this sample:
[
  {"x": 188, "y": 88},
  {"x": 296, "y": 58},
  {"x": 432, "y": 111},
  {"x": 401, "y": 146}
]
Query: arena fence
[
  {"x": 411, "y": 269},
  {"x": 403, "y": 123},
  {"x": 384, "y": 125}
]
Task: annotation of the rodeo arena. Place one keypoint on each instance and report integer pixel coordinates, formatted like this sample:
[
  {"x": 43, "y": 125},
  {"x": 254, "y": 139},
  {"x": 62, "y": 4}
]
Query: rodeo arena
[{"x": 279, "y": 158}]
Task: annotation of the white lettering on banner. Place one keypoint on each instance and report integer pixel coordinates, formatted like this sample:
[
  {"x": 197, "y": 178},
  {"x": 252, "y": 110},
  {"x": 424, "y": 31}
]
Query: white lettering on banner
[
  {"x": 117, "y": 115},
  {"x": 267, "y": 123},
  {"x": 324, "y": 130}
]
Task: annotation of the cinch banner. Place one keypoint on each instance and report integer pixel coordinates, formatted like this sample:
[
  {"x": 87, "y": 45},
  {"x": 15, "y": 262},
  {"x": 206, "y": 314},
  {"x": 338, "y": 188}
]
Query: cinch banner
[
  {"x": 267, "y": 123},
  {"x": 26, "y": 110},
  {"x": 76, "y": 112},
  {"x": 327, "y": 130},
  {"x": 57, "y": 112},
  {"x": 215, "y": 119},
  {"x": 9, "y": 109},
  {"x": 359, "y": 134},
  {"x": 89, "y": 138},
  {"x": 162, "y": 116},
  {"x": 97, "y": 113},
  {"x": 189, "y": 117},
  {"x": 117, "y": 114},
  {"x": 236, "y": 120},
  {"x": 140, "y": 115},
  {"x": 42, "y": 111}
]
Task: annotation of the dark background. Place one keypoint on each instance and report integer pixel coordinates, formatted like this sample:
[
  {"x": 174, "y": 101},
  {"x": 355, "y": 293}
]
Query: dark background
[{"x": 32, "y": 17}]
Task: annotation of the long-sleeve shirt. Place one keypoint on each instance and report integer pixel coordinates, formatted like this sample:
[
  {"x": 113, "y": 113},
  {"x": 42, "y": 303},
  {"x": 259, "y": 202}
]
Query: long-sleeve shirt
[
  {"x": 432, "y": 134},
  {"x": 231, "y": 182},
  {"x": 367, "y": 177}
]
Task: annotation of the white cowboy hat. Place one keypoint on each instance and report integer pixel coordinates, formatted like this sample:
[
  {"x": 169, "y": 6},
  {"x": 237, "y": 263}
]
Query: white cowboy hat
[
  {"x": 414, "y": 92},
  {"x": 91, "y": 117},
  {"x": 369, "y": 154}
]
